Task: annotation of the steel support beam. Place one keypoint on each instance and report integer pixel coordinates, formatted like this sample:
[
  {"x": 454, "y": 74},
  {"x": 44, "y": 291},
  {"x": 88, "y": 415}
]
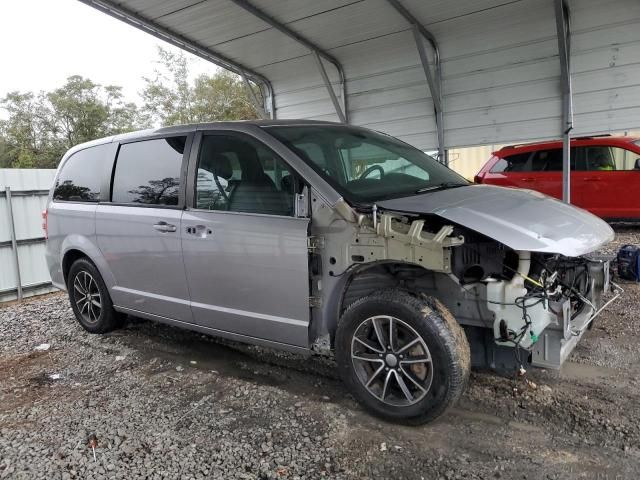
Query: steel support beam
[
  {"x": 252, "y": 96},
  {"x": 563, "y": 30},
  {"x": 434, "y": 80},
  {"x": 341, "y": 110},
  {"x": 146, "y": 25},
  {"x": 327, "y": 84},
  {"x": 14, "y": 243}
]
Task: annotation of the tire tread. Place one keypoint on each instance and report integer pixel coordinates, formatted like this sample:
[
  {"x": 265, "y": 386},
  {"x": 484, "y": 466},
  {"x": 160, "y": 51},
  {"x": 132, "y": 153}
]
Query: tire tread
[
  {"x": 111, "y": 320},
  {"x": 449, "y": 333}
]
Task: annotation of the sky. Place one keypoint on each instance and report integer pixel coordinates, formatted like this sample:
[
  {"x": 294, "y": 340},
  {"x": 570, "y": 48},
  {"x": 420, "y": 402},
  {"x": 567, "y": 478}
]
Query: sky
[{"x": 42, "y": 42}]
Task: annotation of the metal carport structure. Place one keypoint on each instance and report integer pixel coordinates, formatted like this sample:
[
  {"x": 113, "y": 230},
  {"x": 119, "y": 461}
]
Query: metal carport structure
[{"x": 436, "y": 73}]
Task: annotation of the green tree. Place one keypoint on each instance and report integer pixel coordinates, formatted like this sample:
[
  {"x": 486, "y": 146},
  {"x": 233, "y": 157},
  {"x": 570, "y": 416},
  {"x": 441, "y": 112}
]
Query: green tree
[
  {"x": 40, "y": 128},
  {"x": 26, "y": 136},
  {"x": 82, "y": 110},
  {"x": 171, "y": 98},
  {"x": 222, "y": 96}
]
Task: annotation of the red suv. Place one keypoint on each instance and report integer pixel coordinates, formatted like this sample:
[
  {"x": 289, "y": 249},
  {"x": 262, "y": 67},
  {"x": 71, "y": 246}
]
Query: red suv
[{"x": 605, "y": 173}]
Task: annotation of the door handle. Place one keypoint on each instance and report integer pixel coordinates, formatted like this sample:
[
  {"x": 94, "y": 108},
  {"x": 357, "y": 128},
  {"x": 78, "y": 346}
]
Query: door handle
[
  {"x": 164, "y": 227},
  {"x": 592, "y": 179},
  {"x": 528, "y": 179}
]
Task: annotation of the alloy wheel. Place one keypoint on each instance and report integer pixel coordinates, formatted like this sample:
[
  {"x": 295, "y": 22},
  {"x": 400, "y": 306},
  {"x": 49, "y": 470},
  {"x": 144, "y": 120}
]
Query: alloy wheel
[
  {"x": 391, "y": 360},
  {"x": 87, "y": 297}
]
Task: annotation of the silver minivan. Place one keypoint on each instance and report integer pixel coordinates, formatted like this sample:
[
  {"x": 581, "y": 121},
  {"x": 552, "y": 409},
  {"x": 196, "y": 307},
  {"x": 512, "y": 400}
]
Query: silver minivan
[{"x": 327, "y": 239}]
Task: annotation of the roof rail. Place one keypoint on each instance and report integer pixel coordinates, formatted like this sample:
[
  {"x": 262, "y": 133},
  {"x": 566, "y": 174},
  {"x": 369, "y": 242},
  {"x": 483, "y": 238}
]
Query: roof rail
[
  {"x": 516, "y": 145},
  {"x": 587, "y": 137}
]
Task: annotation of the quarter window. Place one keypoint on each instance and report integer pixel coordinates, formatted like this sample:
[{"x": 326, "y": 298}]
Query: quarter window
[
  {"x": 241, "y": 175},
  {"x": 81, "y": 175},
  {"x": 148, "y": 172},
  {"x": 513, "y": 163}
]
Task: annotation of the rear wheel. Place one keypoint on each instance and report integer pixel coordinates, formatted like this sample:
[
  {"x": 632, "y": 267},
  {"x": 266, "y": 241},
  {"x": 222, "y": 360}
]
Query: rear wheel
[
  {"x": 90, "y": 298},
  {"x": 402, "y": 355}
]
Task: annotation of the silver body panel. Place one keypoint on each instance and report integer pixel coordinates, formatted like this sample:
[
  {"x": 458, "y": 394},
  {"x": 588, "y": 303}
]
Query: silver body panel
[
  {"x": 248, "y": 274},
  {"x": 521, "y": 219},
  {"x": 147, "y": 264},
  {"x": 73, "y": 228},
  {"x": 218, "y": 333}
]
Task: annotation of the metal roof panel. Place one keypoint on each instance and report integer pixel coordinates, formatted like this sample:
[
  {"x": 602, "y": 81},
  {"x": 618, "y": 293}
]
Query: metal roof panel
[{"x": 500, "y": 66}]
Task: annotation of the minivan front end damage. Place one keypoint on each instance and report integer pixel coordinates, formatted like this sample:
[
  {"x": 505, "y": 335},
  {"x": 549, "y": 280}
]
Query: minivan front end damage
[
  {"x": 548, "y": 304},
  {"x": 536, "y": 304}
]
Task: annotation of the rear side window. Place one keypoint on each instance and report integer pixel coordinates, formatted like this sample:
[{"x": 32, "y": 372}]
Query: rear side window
[
  {"x": 547, "y": 161},
  {"x": 148, "y": 172},
  {"x": 80, "y": 177},
  {"x": 513, "y": 163}
]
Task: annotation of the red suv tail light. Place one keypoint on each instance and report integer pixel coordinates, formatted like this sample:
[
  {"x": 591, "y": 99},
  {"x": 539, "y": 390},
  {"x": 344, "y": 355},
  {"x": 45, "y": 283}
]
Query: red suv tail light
[{"x": 45, "y": 223}]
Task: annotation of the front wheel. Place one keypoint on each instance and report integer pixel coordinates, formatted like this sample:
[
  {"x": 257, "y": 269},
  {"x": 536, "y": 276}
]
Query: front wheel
[{"x": 402, "y": 355}]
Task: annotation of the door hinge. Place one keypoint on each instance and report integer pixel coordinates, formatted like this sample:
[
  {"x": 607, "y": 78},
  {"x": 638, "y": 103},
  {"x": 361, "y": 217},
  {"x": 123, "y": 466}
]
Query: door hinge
[
  {"x": 315, "y": 302},
  {"x": 315, "y": 243}
]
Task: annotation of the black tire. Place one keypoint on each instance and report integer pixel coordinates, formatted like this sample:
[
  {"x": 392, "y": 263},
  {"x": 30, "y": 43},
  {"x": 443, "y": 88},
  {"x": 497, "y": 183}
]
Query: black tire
[
  {"x": 446, "y": 373},
  {"x": 84, "y": 276}
]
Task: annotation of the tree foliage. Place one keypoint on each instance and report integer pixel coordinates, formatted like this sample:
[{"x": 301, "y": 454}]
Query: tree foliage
[
  {"x": 171, "y": 98},
  {"x": 39, "y": 127}
]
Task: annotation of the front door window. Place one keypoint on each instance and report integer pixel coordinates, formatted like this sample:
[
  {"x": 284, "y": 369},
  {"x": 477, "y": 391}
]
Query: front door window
[
  {"x": 240, "y": 175},
  {"x": 602, "y": 158}
]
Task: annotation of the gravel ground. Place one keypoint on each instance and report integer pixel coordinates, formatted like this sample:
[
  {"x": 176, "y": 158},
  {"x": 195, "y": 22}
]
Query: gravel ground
[{"x": 166, "y": 403}]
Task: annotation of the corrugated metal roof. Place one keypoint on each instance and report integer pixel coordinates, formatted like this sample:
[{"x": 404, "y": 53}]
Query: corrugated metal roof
[{"x": 501, "y": 74}]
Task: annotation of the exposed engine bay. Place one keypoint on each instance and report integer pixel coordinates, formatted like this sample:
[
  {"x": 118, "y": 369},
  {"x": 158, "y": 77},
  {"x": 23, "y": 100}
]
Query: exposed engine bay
[
  {"x": 529, "y": 291},
  {"x": 537, "y": 302},
  {"x": 540, "y": 293},
  {"x": 540, "y": 302}
]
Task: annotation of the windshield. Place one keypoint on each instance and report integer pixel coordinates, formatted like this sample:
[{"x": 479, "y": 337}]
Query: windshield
[{"x": 365, "y": 166}]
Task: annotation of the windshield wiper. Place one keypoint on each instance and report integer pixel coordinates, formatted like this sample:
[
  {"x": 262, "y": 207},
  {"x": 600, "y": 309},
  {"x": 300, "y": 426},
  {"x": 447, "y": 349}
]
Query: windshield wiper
[{"x": 441, "y": 186}]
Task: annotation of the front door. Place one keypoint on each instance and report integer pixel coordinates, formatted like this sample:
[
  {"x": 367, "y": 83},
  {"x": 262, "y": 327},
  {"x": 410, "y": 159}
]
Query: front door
[
  {"x": 138, "y": 232},
  {"x": 608, "y": 182},
  {"x": 540, "y": 170},
  {"x": 245, "y": 252}
]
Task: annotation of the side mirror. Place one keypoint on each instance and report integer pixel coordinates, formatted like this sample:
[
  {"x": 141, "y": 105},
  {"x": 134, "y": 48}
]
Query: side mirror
[{"x": 637, "y": 166}]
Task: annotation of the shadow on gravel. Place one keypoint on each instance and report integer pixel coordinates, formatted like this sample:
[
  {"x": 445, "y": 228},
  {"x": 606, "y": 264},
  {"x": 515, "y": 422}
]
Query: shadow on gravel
[{"x": 298, "y": 374}]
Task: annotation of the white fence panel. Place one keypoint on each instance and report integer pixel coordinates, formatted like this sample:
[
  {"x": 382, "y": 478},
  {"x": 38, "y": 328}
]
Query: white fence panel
[{"x": 29, "y": 189}]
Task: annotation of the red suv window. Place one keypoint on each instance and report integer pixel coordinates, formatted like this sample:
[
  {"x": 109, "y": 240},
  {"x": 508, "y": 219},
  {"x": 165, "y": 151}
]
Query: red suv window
[
  {"x": 512, "y": 163},
  {"x": 538, "y": 161},
  {"x": 547, "y": 161}
]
